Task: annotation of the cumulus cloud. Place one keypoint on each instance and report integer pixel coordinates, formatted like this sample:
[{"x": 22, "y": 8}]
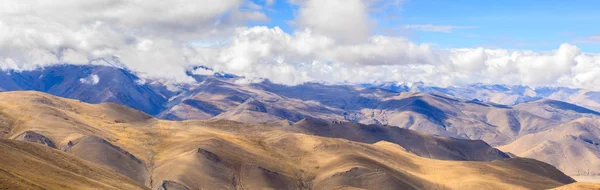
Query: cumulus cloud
[
  {"x": 148, "y": 36},
  {"x": 435, "y": 28},
  {"x": 333, "y": 46},
  {"x": 343, "y": 20},
  {"x": 468, "y": 60},
  {"x": 308, "y": 56}
]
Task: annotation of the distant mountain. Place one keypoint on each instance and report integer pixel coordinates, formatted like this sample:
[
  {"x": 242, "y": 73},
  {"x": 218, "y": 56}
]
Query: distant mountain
[
  {"x": 574, "y": 147},
  {"x": 501, "y": 94},
  {"x": 556, "y": 110},
  {"x": 166, "y": 99},
  {"x": 92, "y": 84}
]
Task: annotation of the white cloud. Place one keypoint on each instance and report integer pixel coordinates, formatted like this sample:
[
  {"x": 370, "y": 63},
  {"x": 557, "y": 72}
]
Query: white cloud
[
  {"x": 308, "y": 56},
  {"x": 8, "y": 64},
  {"x": 244, "y": 81},
  {"x": 140, "y": 82},
  {"x": 468, "y": 60},
  {"x": 343, "y": 20},
  {"x": 203, "y": 71},
  {"x": 435, "y": 28},
  {"x": 328, "y": 46},
  {"x": 74, "y": 57},
  {"x": 91, "y": 80},
  {"x": 181, "y": 17},
  {"x": 547, "y": 68},
  {"x": 149, "y": 36},
  {"x": 588, "y": 40}
]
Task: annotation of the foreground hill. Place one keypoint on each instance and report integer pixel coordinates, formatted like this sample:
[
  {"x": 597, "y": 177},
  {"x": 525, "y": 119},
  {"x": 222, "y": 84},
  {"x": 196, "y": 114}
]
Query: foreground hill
[
  {"x": 26, "y": 165},
  {"x": 232, "y": 155}
]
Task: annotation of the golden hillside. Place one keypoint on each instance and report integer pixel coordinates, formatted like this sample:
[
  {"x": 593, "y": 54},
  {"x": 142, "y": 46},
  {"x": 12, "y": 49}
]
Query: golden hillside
[
  {"x": 30, "y": 166},
  {"x": 232, "y": 155}
]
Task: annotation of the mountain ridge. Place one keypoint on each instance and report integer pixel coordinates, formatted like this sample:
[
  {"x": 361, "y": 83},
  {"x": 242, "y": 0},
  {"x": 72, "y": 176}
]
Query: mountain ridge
[
  {"x": 233, "y": 155},
  {"x": 447, "y": 112}
]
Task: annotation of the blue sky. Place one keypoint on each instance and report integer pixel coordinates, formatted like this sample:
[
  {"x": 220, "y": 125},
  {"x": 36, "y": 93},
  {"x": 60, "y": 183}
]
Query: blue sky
[{"x": 508, "y": 24}]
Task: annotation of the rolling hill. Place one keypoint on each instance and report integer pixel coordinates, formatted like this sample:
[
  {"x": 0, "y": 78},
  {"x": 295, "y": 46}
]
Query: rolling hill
[
  {"x": 572, "y": 147},
  {"x": 218, "y": 154},
  {"x": 457, "y": 112}
]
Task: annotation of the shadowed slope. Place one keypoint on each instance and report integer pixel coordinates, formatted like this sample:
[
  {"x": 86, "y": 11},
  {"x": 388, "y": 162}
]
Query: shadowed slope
[
  {"x": 26, "y": 165},
  {"x": 556, "y": 110},
  {"x": 32, "y": 136},
  {"x": 419, "y": 143},
  {"x": 97, "y": 150},
  {"x": 282, "y": 160}
]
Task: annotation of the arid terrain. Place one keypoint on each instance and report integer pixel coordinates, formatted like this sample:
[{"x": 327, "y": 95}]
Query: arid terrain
[
  {"x": 95, "y": 141},
  {"x": 519, "y": 120}
]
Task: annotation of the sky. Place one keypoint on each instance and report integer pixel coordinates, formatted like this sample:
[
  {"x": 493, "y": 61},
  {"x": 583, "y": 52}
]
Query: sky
[
  {"x": 439, "y": 42},
  {"x": 511, "y": 24}
]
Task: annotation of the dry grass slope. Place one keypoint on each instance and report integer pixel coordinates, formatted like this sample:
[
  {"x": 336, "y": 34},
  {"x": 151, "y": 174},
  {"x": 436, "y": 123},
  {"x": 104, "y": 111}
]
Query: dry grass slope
[
  {"x": 26, "y": 165},
  {"x": 225, "y": 154}
]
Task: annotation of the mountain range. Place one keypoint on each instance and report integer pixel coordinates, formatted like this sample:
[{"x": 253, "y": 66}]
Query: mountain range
[
  {"x": 501, "y": 94},
  {"x": 556, "y": 125},
  {"x": 57, "y": 143}
]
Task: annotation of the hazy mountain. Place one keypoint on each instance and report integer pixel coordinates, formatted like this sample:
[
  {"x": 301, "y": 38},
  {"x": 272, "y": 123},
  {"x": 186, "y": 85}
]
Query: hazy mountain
[
  {"x": 556, "y": 110},
  {"x": 232, "y": 155},
  {"x": 501, "y": 94},
  {"x": 166, "y": 99},
  {"x": 93, "y": 84}
]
